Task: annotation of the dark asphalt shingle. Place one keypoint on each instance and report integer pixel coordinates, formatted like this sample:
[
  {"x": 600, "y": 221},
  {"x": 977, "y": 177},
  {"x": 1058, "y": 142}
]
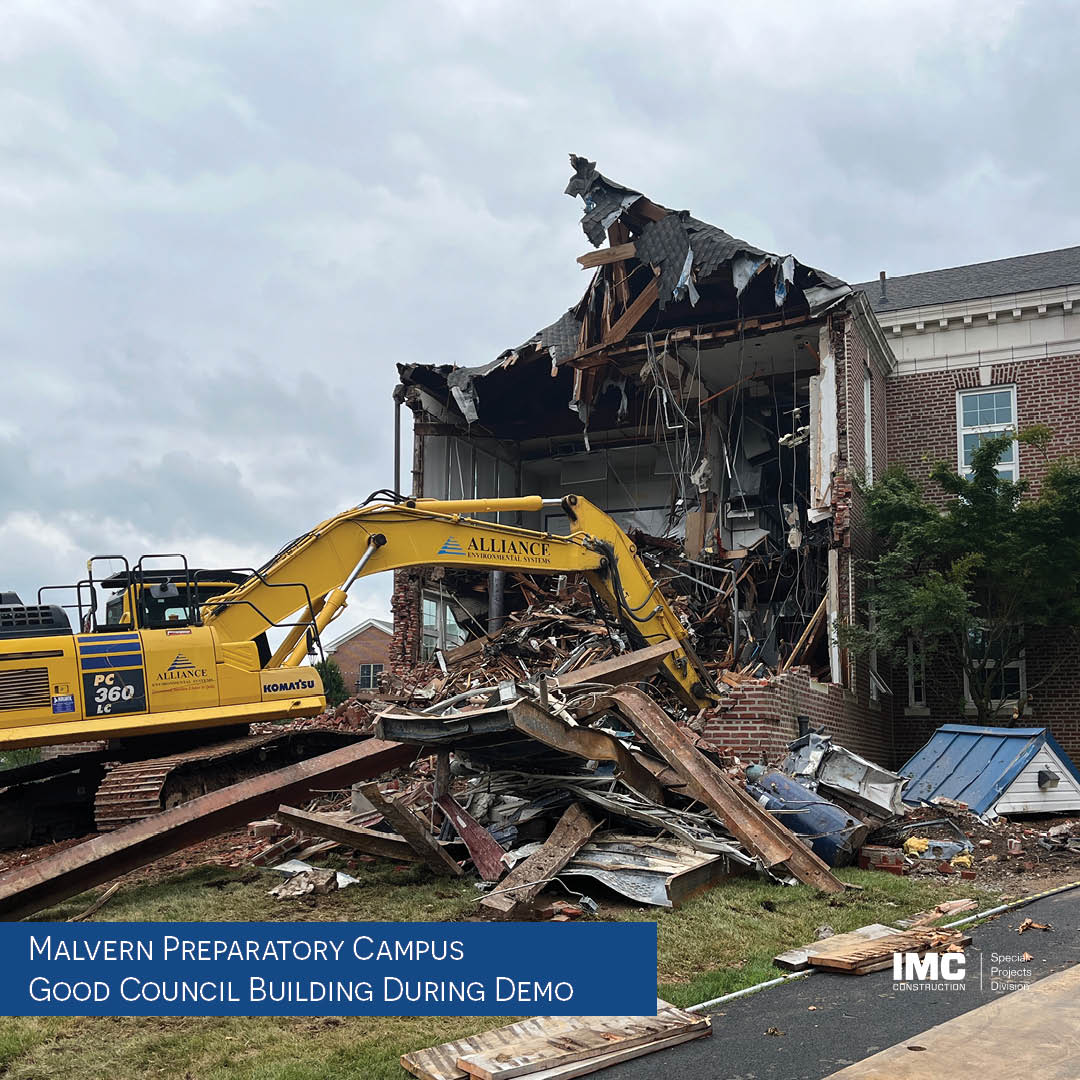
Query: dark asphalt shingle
[{"x": 1022, "y": 273}]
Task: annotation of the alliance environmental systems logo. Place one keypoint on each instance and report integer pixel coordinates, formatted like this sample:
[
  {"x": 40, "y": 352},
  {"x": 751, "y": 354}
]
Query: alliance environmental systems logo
[{"x": 499, "y": 549}]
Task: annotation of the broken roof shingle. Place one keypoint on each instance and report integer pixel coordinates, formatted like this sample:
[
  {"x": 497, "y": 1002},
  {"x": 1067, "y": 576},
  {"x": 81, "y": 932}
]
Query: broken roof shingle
[
  {"x": 1000, "y": 277},
  {"x": 664, "y": 242}
]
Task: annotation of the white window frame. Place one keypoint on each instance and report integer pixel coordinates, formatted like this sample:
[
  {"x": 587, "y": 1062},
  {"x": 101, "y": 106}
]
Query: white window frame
[
  {"x": 1013, "y": 468},
  {"x": 442, "y": 609},
  {"x": 868, "y": 422},
  {"x": 916, "y": 656},
  {"x": 373, "y": 673},
  {"x": 872, "y": 661}
]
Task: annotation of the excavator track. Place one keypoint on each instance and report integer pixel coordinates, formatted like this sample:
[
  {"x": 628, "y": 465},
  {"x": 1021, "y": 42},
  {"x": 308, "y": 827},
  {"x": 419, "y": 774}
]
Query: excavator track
[{"x": 135, "y": 790}]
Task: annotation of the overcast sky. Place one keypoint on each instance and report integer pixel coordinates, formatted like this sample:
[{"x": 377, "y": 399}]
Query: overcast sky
[{"x": 222, "y": 222}]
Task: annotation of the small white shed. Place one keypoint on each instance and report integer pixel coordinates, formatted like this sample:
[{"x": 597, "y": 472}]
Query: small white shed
[{"x": 995, "y": 771}]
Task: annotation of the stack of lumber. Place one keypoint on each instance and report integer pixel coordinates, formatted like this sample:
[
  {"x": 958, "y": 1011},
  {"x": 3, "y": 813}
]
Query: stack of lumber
[
  {"x": 866, "y": 955},
  {"x": 556, "y": 1047}
]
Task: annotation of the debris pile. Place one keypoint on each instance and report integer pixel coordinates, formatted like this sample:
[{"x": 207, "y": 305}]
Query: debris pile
[{"x": 562, "y": 755}]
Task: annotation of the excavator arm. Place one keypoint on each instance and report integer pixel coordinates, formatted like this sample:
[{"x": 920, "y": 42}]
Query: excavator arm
[{"x": 307, "y": 581}]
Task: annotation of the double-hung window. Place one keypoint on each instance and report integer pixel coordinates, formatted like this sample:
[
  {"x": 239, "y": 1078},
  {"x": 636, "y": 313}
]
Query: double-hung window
[
  {"x": 368, "y": 678},
  {"x": 916, "y": 664},
  {"x": 982, "y": 415}
]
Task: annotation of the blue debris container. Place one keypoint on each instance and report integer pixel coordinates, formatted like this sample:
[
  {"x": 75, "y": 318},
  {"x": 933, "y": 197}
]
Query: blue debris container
[{"x": 833, "y": 833}]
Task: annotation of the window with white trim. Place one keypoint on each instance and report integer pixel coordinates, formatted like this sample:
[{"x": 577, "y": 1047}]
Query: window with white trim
[
  {"x": 916, "y": 678},
  {"x": 982, "y": 415},
  {"x": 440, "y": 627},
  {"x": 368, "y": 679},
  {"x": 1008, "y": 679}
]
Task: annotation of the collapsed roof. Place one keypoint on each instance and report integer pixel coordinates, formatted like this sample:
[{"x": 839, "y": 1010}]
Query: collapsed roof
[{"x": 664, "y": 275}]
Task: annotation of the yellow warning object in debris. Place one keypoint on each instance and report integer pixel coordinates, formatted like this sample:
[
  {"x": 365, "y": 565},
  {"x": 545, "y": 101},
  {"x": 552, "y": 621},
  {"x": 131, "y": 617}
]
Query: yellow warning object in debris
[
  {"x": 964, "y": 861},
  {"x": 915, "y": 845}
]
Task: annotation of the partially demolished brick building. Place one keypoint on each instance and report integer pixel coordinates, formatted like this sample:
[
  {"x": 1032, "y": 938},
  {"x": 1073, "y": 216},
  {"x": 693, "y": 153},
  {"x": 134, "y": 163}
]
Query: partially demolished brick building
[{"x": 718, "y": 401}]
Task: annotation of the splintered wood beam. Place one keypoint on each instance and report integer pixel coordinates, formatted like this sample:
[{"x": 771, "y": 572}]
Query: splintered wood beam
[
  {"x": 633, "y": 314},
  {"x": 617, "y": 235},
  {"x": 811, "y": 627},
  {"x": 414, "y": 830},
  {"x": 487, "y": 853},
  {"x": 356, "y": 837},
  {"x": 603, "y": 256},
  {"x": 528, "y": 878},
  {"x": 751, "y": 824}
]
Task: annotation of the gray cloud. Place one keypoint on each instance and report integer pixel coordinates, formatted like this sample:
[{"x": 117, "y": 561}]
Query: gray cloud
[{"x": 224, "y": 222}]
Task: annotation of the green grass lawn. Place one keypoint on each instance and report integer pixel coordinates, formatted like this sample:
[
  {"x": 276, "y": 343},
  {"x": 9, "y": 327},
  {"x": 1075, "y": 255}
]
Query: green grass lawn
[{"x": 719, "y": 941}]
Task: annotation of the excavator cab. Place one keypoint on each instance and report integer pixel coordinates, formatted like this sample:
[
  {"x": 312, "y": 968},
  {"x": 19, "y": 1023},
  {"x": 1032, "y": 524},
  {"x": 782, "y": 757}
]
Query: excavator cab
[{"x": 164, "y": 599}]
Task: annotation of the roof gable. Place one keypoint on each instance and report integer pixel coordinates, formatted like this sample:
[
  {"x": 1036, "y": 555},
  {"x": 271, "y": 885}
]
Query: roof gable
[{"x": 368, "y": 624}]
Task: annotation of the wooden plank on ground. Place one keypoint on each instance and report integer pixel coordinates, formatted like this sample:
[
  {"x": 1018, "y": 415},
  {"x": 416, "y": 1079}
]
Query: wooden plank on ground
[
  {"x": 530, "y": 876},
  {"x": 853, "y": 956},
  {"x": 799, "y": 959},
  {"x": 386, "y": 845},
  {"x": 549, "y": 1052},
  {"x": 487, "y": 853},
  {"x": 440, "y": 1062},
  {"x": 755, "y": 828},
  {"x": 414, "y": 830},
  {"x": 594, "y": 1064},
  {"x": 629, "y": 667}
]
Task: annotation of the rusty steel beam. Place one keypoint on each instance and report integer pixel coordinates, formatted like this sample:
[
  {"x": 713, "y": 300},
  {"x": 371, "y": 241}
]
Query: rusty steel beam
[
  {"x": 755, "y": 828},
  {"x": 48, "y": 881}
]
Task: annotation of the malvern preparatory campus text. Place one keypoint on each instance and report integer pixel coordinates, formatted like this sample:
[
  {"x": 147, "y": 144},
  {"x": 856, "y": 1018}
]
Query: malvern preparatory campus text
[{"x": 248, "y": 950}]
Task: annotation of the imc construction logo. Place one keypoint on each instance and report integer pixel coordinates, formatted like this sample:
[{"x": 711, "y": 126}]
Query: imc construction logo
[{"x": 933, "y": 971}]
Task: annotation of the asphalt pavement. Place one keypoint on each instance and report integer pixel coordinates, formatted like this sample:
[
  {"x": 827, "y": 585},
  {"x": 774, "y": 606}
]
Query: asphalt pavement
[{"x": 855, "y": 1016}]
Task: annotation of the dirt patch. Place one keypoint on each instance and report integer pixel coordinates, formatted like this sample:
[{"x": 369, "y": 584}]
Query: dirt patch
[{"x": 1020, "y": 856}]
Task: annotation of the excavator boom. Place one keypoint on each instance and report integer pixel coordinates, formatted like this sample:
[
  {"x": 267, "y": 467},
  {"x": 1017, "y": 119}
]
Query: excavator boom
[{"x": 310, "y": 577}]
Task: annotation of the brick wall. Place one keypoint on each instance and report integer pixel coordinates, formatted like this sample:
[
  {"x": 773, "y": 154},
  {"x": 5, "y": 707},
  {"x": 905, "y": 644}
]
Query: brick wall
[
  {"x": 923, "y": 430},
  {"x": 922, "y": 411},
  {"x": 404, "y": 651},
  {"x": 760, "y": 719},
  {"x": 370, "y": 646}
]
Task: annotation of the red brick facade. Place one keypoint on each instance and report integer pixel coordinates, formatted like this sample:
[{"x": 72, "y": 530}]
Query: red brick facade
[
  {"x": 369, "y": 645},
  {"x": 922, "y": 411},
  {"x": 760, "y": 719}
]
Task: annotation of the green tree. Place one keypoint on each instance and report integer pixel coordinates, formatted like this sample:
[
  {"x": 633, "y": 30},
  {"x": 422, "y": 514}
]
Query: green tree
[
  {"x": 333, "y": 682},
  {"x": 968, "y": 581}
]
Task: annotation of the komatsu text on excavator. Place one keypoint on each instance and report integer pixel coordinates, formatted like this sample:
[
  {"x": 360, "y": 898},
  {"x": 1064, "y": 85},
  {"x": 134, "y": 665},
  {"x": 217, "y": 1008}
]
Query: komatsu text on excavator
[{"x": 182, "y": 651}]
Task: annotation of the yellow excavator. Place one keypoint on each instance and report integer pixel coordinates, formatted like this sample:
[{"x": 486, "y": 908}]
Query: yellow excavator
[{"x": 184, "y": 651}]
